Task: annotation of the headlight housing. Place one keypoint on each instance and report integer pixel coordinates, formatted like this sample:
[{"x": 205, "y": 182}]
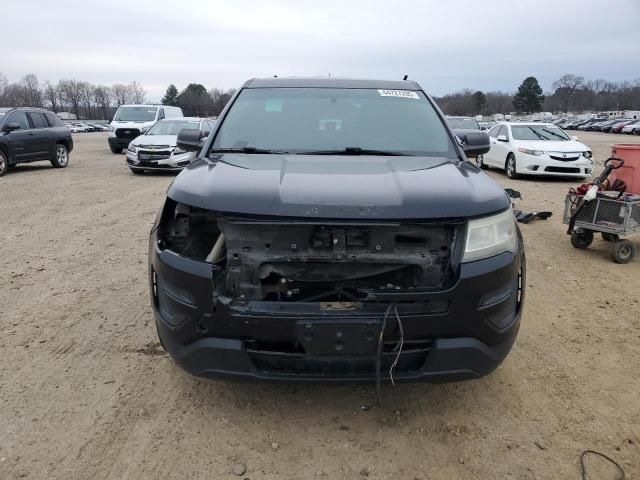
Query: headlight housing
[
  {"x": 536, "y": 153},
  {"x": 132, "y": 149},
  {"x": 588, "y": 154},
  {"x": 179, "y": 151},
  {"x": 490, "y": 236}
]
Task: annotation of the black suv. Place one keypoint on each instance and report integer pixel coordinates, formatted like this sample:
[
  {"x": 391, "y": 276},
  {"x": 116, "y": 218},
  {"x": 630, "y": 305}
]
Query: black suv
[
  {"x": 334, "y": 230},
  {"x": 31, "y": 135}
]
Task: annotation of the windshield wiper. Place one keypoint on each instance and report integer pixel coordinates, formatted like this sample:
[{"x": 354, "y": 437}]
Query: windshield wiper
[
  {"x": 355, "y": 151},
  {"x": 554, "y": 134},
  {"x": 247, "y": 150}
]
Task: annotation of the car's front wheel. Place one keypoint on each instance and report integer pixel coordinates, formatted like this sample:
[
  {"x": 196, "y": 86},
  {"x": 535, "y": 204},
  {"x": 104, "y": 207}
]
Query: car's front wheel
[
  {"x": 480, "y": 162},
  {"x": 4, "y": 163},
  {"x": 60, "y": 157},
  {"x": 510, "y": 166},
  {"x": 115, "y": 149},
  {"x": 136, "y": 171}
]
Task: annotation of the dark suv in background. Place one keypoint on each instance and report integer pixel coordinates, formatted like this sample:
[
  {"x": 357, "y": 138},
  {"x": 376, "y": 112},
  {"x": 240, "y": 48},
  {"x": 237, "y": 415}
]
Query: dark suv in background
[{"x": 31, "y": 135}]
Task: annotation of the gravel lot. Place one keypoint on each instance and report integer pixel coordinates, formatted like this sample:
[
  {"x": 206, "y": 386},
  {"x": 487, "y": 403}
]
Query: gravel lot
[{"x": 86, "y": 391}]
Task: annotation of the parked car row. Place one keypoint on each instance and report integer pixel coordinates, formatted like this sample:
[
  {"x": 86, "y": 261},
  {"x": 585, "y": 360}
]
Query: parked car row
[
  {"x": 618, "y": 125},
  {"x": 78, "y": 127}
]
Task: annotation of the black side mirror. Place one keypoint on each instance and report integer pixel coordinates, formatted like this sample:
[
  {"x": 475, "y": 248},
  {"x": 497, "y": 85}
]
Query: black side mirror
[
  {"x": 10, "y": 127},
  {"x": 473, "y": 142},
  {"x": 190, "y": 139}
]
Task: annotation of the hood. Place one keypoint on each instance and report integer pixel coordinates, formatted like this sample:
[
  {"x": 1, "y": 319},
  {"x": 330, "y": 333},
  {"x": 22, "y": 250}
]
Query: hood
[
  {"x": 339, "y": 187},
  {"x": 138, "y": 125},
  {"x": 170, "y": 140},
  {"x": 551, "y": 146}
]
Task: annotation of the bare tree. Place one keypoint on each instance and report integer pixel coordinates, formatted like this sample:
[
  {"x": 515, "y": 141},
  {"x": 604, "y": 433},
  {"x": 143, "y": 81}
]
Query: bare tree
[
  {"x": 120, "y": 93},
  {"x": 136, "y": 92},
  {"x": 51, "y": 95},
  {"x": 72, "y": 92},
  {"x": 102, "y": 98},
  {"x": 219, "y": 99},
  {"x": 31, "y": 91},
  {"x": 566, "y": 87}
]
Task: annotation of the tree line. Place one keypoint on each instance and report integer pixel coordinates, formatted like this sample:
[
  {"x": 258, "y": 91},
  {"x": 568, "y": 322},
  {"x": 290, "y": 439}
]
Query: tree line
[
  {"x": 89, "y": 101},
  {"x": 570, "y": 93}
]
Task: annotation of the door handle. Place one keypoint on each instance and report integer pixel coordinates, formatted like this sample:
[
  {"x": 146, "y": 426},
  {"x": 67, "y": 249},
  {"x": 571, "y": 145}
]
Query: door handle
[{"x": 30, "y": 133}]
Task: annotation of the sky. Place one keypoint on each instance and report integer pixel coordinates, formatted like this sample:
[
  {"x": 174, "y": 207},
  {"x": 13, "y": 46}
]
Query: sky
[{"x": 445, "y": 45}]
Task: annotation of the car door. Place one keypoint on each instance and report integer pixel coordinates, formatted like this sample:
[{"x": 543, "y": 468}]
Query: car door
[
  {"x": 500, "y": 148},
  {"x": 490, "y": 157},
  {"x": 20, "y": 141},
  {"x": 41, "y": 137}
]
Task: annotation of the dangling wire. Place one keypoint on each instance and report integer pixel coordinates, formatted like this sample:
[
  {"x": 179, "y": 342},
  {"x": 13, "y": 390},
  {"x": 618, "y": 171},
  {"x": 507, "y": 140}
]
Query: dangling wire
[
  {"x": 379, "y": 355},
  {"x": 399, "y": 346}
]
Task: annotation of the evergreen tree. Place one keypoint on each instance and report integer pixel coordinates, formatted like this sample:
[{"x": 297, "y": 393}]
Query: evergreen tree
[
  {"x": 529, "y": 97},
  {"x": 171, "y": 96}
]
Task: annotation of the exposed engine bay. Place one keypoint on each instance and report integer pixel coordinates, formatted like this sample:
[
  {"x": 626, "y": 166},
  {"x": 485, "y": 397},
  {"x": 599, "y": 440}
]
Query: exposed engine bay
[{"x": 272, "y": 259}]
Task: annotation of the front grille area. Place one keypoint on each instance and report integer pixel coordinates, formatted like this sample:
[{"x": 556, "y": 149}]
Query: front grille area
[
  {"x": 562, "y": 170},
  {"x": 155, "y": 155},
  {"x": 127, "y": 132},
  {"x": 283, "y": 363},
  {"x": 567, "y": 157}
]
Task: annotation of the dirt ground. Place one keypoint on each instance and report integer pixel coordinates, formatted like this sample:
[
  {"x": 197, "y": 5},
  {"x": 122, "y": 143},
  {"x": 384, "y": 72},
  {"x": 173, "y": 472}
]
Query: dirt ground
[{"x": 87, "y": 393}]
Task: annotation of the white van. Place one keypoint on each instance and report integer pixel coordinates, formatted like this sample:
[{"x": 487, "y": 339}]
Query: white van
[{"x": 131, "y": 121}]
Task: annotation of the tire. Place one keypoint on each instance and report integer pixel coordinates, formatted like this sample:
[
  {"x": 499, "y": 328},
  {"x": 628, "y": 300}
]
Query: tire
[
  {"x": 480, "y": 162},
  {"x": 582, "y": 239},
  {"x": 623, "y": 251},
  {"x": 4, "y": 163},
  {"x": 135, "y": 171},
  {"x": 510, "y": 167},
  {"x": 115, "y": 149},
  {"x": 60, "y": 156},
  {"x": 610, "y": 237}
]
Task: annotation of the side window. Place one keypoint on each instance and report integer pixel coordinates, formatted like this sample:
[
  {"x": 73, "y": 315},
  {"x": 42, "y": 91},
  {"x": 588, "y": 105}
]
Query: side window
[
  {"x": 494, "y": 131},
  {"x": 21, "y": 119},
  {"x": 52, "y": 119},
  {"x": 502, "y": 130},
  {"x": 161, "y": 114},
  {"x": 505, "y": 131},
  {"x": 37, "y": 120},
  {"x": 206, "y": 127}
]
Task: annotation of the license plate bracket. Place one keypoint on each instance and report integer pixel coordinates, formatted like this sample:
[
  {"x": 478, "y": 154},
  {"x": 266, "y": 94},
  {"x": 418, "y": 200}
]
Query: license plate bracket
[{"x": 338, "y": 337}]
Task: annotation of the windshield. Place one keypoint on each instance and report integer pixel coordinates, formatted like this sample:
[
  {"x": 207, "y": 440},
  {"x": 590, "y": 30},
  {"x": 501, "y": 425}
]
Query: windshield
[
  {"x": 172, "y": 127},
  {"x": 469, "y": 123},
  {"x": 332, "y": 120},
  {"x": 136, "y": 114},
  {"x": 538, "y": 132}
]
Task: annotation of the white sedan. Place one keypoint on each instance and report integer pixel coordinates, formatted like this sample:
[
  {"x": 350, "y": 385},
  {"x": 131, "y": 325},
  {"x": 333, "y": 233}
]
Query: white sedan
[{"x": 536, "y": 149}]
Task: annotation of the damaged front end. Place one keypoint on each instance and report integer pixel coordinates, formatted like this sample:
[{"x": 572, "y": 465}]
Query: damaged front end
[
  {"x": 301, "y": 260},
  {"x": 273, "y": 297}
]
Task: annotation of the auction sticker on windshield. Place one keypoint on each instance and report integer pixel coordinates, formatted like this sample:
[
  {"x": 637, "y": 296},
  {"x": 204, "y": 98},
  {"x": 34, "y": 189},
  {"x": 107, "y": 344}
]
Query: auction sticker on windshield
[{"x": 398, "y": 93}]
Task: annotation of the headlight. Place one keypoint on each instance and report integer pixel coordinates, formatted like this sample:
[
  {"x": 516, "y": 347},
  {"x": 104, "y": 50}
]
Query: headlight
[
  {"x": 491, "y": 236},
  {"x": 132, "y": 149},
  {"x": 112, "y": 129},
  {"x": 179, "y": 151},
  {"x": 588, "y": 154},
  {"x": 536, "y": 153}
]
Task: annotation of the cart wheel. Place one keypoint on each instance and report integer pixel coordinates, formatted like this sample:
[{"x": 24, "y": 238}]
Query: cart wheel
[
  {"x": 623, "y": 251},
  {"x": 610, "y": 237},
  {"x": 582, "y": 239}
]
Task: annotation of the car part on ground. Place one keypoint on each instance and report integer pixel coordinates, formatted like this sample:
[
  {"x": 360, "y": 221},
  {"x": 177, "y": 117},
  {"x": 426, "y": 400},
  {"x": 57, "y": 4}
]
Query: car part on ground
[{"x": 526, "y": 217}]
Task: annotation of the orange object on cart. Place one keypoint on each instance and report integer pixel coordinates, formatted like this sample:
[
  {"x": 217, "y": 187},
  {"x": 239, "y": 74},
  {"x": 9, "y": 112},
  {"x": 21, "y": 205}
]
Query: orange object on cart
[{"x": 629, "y": 173}]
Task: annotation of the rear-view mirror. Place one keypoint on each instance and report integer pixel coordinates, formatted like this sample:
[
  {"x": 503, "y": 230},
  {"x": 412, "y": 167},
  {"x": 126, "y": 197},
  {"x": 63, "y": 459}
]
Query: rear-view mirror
[
  {"x": 502, "y": 138},
  {"x": 573, "y": 137},
  {"x": 190, "y": 139},
  {"x": 10, "y": 127}
]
